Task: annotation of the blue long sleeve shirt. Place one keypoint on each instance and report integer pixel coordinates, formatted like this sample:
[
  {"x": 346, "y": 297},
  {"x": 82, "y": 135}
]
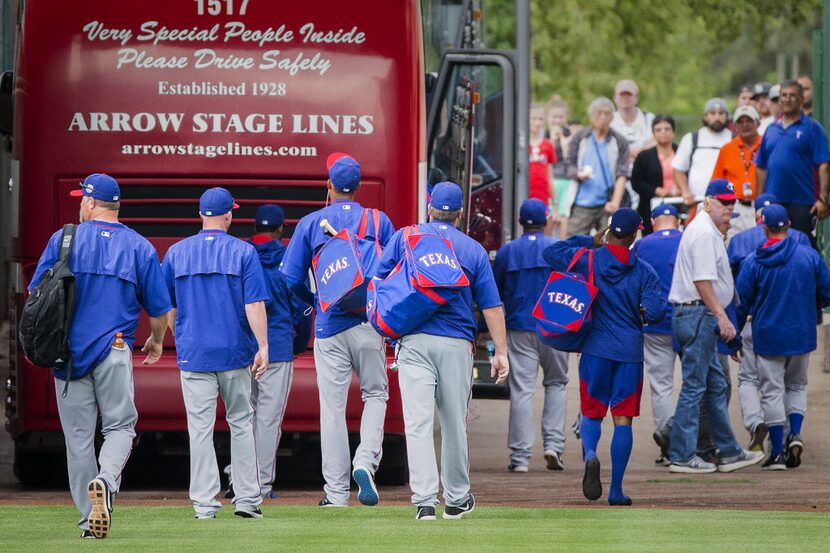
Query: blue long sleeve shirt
[
  {"x": 659, "y": 249},
  {"x": 623, "y": 289}
]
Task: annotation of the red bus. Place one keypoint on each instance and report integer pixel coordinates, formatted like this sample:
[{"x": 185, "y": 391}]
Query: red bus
[{"x": 172, "y": 97}]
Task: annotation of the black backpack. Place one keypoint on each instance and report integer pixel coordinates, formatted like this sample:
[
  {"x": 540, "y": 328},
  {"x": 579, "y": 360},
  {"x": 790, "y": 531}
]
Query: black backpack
[{"x": 44, "y": 323}]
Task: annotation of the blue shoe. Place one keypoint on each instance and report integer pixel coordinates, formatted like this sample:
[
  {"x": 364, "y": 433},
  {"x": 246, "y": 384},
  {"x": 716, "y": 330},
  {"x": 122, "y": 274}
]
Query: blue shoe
[{"x": 368, "y": 493}]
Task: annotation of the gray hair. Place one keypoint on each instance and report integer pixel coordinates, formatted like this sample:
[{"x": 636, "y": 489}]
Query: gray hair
[
  {"x": 600, "y": 102},
  {"x": 446, "y": 216}
]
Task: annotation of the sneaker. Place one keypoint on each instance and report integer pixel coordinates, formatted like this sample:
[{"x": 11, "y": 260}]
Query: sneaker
[
  {"x": 662, "y": 461},
  {"x": 462, "y": 510},
  {"x": 795, "y": 446},
  {"x": 101, "y": 499},
  {"x": 229, "y": 494},
  {"x": 367, "y": 492},
  {"x": 87, "y": 535},
  {"x": 270, "y": 495},
  {"x": 576, "y": 427},
  {"x": 209, "y": 516},
  {"x": 554, "y": 460},
  {"x": 517, "y": 468},
  {"x": 662, "y": 442},
  {"x": 591, "y": 485},
  {"x": 695, "y": 465},
  {"x": 775, "y": 462},
  {"x": 425, "y": 512},
  {"x": 256, "y": 513},
  {"x": 757, "y": 436},
  {"x": 742, "y": 460},
  {"x": 326, "y": 503}
]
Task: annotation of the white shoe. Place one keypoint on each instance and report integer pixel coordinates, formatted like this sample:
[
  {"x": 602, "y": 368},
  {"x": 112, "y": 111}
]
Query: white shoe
[
  {"x": 742, "y": 460},
  {"x": 695, "y": 465}
]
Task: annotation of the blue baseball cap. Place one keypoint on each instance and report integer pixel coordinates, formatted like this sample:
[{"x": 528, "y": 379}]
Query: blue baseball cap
[
  {"x": 775, "y": 216},
  {"x": 663, "y": 209},
  {"x": 99, "y": 186},
  {"x": 721, "y": 189},
  {"x": 764, "y": 200},
  {"x": 625, "y": 221},
  {"x": 215, "y": 202},
  {"x": 446, "y": 196},
  {"x": 533, "y": 212},
  {"x": 344, "y": 172},
  {"x": 270, "y": 215}
]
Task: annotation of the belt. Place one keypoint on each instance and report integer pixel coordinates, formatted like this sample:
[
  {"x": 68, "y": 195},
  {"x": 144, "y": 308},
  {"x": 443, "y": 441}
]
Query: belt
[
  {"x": 690, "y": 303},
  {"x": 747, "y": 203}
]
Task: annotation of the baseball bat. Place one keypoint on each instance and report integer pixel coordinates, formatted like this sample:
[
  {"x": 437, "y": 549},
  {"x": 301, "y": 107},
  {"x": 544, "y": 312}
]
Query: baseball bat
[{"x": 327, "y": 227}]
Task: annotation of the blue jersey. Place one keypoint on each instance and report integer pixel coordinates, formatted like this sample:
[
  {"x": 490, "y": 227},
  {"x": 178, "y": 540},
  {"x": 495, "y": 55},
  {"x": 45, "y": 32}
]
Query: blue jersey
[
  {"x": 211, "y": 276},
  {"x": 455, "y": 318},
  {"x": 659, "y": 249},
  {"x": 625, "y": 290},
  {"x": 117, "y": 272},
  {"x": 521, "y": 274},
  {"x": 307, "y": 239},
  {"x": 749, "y": 240},
  {"x": 789, "y": 156},
  {"x": 778, "y": 285},
  {"x": 283, "y": 307}
]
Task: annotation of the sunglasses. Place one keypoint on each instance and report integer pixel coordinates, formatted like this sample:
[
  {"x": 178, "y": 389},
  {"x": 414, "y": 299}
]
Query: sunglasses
[{"x": 726, "y": 202}]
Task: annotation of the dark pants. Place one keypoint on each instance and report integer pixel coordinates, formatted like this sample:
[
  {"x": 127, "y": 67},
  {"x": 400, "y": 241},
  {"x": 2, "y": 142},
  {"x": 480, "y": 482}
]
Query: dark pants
[{"x": 801, "y": 219}]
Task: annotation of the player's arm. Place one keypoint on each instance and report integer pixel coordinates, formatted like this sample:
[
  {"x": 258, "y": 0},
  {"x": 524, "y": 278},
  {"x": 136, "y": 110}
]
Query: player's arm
[
  {"x": 494, "y": 317},
  {"x": 258, "y": 321}
]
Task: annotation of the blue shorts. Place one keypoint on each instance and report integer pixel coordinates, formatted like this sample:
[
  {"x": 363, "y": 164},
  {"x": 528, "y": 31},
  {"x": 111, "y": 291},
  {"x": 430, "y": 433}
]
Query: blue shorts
[{"x": 604, "y": 383}]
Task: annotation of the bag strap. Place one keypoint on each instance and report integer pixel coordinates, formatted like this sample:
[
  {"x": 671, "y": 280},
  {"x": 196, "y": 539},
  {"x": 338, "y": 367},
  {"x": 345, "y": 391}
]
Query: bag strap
[
  {"x": 361, "y": 231},
  {"x": 67, "y": 241},
  {"x": 376, "y": 222},
  {"x": 577, "y": 257}
]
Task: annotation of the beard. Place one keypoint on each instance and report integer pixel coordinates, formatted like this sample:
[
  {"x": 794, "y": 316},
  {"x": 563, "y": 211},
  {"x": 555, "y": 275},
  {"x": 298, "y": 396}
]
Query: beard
[{"x": 716, "y": 126}]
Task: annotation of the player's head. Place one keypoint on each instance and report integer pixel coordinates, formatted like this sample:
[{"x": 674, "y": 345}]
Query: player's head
[
  {"x": 269, "y": 219},
  {"x": 664, "y": 217},
  {"x": 446, "y": 203},
  {"x": 623, "y": 228},
  {"x": 776, "y": 221},
  {"x": 533, "y": 215},
  {"x": 216, "y": 208},
  {"x": 344, "y": 174}
]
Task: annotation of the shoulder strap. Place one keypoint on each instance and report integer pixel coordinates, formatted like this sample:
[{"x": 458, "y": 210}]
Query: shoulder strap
[
  {"x": 376, "y": 222},
  {"x": 577, "y": 257},
  {"x": 67, "y": 240},
  {"x": 361, "y": 231},
  {"x": 694, "y": 147}
]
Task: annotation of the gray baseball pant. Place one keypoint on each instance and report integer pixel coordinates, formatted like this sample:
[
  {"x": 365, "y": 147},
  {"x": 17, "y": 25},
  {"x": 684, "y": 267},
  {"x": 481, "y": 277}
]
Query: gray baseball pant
[
  {"x": 108, "y": 389},
  {"x": 783, "y": 386},
  {"x": 200, "y": 390},
  {"x": 749, "y": 385},
  {"x": 526, "y": 353},
  {"x": 658, "y": 357},
  {"x": 270, "y": 395},
  {"x": 436, "y": 371},
  {"x": 361, "y": 349}
]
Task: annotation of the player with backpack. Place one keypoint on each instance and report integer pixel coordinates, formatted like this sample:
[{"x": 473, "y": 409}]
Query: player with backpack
[
  {"x": 435, "y": 359},
  {"x": 343, "y": 265},
  {"x": 611, "y": 365},
  {"x": 116, "y": 273}
]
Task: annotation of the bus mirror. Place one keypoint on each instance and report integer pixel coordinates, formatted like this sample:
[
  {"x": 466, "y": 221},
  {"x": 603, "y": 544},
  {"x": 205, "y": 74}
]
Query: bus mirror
[{"x": 6, "y": 115}]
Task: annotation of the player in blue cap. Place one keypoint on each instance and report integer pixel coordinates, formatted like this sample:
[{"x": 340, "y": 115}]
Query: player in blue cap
[
  {"x": 521, "y": 273},
  {"x": 221, "y": 329},
  {"x": 435, "y": 364},
  {"x": 344, "y": 341},
  {"x": 778, "y": 285},
  {"x": 749, "y": 386},
  {"x": 659, "y": 249},
  {"x": 117, "y": 273},
  {"x": 288, "y": 316},
  {"x": 611, "y": 365}
]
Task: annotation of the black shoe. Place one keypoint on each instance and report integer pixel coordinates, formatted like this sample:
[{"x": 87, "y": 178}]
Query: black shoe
[
  {"x": 87, "y": 535},
  {"x": 662, "y": 442},
  {"x": 775, "y": 462},
  {"x": 256, "y": 513},
  {"x": 425, "y": 512},
  {"x": 795, "y": 447},
  {"x": 229, "y": 494},
  {"x": 625, "y": 501},
  {"x": 757, "y": 436},
  {"x": 326, "y": 503},
  {"x": 100, "y": 516},
  {"x": 591, "y": 485},
  {"x": 462, "y": 510}
]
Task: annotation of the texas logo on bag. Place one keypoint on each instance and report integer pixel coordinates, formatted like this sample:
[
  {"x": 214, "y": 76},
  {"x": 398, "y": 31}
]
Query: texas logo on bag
[
  {"x": 434, "y": 262},
  {"x": 338, "y": 272}
]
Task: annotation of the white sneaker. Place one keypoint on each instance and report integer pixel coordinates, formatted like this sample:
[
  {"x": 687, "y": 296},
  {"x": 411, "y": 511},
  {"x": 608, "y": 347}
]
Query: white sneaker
[
  {"x": 695, "y": 465},
  {"x": 554, "y": 460},
  {"x": 742, "y": 460}
]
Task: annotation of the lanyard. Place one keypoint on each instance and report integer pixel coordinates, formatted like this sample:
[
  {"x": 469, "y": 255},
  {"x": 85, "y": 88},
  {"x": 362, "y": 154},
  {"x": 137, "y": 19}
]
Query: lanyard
[{"x": 746, "y": 164}]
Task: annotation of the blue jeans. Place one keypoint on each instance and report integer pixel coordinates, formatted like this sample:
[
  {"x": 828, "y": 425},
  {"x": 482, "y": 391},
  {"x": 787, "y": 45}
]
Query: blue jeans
[{"x": 703, "y": 382}]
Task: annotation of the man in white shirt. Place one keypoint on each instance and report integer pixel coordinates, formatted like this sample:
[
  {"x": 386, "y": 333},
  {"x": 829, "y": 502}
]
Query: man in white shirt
[
  {"x": 629, "y": 120},
  {"x": 702, "y": 287},
  {"x": 698, "y": 152},
  {"x": 762, "y": 100}
]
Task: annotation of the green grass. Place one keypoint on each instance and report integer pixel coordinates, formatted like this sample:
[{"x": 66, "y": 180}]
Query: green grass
[{"x": 150, "y": 529}]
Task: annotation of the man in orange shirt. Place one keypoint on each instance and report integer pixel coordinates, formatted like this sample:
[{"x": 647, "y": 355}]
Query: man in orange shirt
[{"x": 736, "y": 163}]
